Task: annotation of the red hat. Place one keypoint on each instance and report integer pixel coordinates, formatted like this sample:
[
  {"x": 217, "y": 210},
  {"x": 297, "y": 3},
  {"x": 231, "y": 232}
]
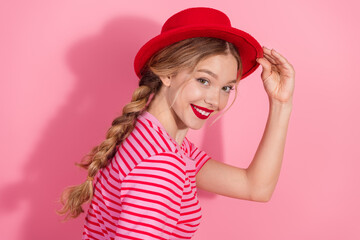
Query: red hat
[{"x": 202, "y": 22}]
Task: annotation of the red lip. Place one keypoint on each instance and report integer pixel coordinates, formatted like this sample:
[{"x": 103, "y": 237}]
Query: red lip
[{"x": 198, "y": 114}]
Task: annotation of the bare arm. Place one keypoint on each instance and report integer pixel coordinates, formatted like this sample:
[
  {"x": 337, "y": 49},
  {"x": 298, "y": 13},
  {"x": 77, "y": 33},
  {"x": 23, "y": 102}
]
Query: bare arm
[
  {"x": 258, "y": 181},
  {"x": 263, "y": 172}
]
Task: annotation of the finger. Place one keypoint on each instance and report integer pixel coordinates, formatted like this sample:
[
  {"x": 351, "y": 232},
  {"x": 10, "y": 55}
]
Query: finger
[
  {"x": 268, "y": 54},
  {"x": 284, "y": 63},
  {"x": 267, "y": 50},
  {"x": 266, "y": 65},
  {"x": 279, "y": 61},
  {"x": 268, "y": 57},
  {"x": 279, "y": 58}
]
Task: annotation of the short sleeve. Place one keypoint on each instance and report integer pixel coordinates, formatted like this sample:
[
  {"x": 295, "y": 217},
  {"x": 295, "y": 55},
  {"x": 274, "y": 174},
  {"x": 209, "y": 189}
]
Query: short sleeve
[
  {"x": 151, "y": 196},
  {"x": 200, "y": 156}
]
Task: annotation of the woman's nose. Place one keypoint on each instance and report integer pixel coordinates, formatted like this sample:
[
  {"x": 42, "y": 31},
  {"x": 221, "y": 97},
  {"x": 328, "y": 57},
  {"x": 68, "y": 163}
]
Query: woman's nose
[{"x": 213, "y": 98}]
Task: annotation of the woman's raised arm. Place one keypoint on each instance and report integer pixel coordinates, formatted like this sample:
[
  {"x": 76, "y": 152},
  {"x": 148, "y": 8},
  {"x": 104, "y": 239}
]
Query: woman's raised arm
[{"x": 258, "y": 181}]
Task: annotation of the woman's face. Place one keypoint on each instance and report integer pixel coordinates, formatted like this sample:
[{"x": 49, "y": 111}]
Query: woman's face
[{"x": 195, "y": 97}]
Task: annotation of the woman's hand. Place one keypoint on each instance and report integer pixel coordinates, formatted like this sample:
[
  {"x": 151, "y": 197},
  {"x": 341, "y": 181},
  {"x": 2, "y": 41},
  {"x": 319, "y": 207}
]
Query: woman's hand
[{"x": 278, "y": 76}]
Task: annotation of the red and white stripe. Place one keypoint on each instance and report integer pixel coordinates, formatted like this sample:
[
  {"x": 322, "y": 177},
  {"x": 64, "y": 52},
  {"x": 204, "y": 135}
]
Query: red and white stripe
[{"x": 148, "y": 190}]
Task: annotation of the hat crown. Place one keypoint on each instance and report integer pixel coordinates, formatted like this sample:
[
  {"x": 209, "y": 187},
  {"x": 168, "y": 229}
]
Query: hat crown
[{"x": 195, "y": 17}]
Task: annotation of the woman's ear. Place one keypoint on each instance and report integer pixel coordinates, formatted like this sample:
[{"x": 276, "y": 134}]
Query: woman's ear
[{"x": 166, "y": 80}]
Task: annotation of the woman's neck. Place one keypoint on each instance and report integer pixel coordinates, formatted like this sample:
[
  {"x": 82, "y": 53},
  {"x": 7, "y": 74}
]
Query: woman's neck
[{"x": 160, "y": 109}]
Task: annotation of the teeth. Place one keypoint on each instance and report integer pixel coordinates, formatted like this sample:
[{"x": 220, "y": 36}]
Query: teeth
[{"x": 202, "y": 111}]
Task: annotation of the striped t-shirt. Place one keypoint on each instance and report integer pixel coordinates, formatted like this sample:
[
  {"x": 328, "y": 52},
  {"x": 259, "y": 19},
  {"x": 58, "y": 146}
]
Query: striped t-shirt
[{"x": 148, "y": 189}]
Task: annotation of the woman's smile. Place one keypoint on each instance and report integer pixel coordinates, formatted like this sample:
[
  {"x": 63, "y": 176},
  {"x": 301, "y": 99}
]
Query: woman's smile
[{"x": 201, "y": 112}]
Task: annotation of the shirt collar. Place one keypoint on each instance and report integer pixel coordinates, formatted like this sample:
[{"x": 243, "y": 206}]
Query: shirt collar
[{"x": 155, "y": 124}]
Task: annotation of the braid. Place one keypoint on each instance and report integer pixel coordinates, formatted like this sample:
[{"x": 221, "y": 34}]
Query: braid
[{"x": 73, "y": 197}]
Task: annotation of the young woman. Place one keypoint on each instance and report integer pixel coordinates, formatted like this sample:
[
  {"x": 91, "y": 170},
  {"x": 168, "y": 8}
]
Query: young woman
[{"x": 142, "y": 179}]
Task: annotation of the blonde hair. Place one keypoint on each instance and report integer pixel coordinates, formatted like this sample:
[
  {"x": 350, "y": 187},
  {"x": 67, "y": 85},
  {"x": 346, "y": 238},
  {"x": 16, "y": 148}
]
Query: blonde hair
[{"x": 185, "y": 54}]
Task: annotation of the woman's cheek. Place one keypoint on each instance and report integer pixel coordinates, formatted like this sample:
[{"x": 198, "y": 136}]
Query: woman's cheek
[{"x": 195, "y": 94}]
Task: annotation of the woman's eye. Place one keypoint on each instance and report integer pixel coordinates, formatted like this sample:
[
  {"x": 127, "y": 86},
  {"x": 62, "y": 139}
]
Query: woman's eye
[
  {"x": 203, "y": 81},
  {"x": 228, "y": 88}
]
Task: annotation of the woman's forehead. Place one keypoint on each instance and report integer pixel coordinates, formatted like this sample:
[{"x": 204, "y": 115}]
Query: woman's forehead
[{"x": 219, "y": 67}]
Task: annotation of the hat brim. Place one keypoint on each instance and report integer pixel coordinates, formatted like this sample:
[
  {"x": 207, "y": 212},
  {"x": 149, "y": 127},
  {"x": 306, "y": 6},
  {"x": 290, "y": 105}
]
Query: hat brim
[{"x": 248, "y": 47}]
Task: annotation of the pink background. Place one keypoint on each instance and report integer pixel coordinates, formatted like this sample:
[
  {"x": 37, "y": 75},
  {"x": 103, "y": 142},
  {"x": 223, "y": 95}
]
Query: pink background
[{"x": 66, "y": 71}]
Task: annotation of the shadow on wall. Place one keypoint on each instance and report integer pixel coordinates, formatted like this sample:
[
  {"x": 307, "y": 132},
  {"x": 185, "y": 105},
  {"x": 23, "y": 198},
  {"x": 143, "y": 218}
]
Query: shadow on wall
[
  {"x": 104, "y": 81},
  {"x": 212, "y": 143}
]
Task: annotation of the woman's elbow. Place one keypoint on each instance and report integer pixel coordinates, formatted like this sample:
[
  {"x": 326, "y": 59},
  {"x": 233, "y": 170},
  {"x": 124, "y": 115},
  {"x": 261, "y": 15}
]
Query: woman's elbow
[{"x": 261, "y": 196}]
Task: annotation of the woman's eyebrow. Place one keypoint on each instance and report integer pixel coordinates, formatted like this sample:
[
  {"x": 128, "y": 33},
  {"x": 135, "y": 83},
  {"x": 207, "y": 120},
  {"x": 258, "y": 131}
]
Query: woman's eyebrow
[
  {"x": 213, "y": 74},
  {"x": 233, "y": 81},
  {"x": 208, "y": 72}
]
